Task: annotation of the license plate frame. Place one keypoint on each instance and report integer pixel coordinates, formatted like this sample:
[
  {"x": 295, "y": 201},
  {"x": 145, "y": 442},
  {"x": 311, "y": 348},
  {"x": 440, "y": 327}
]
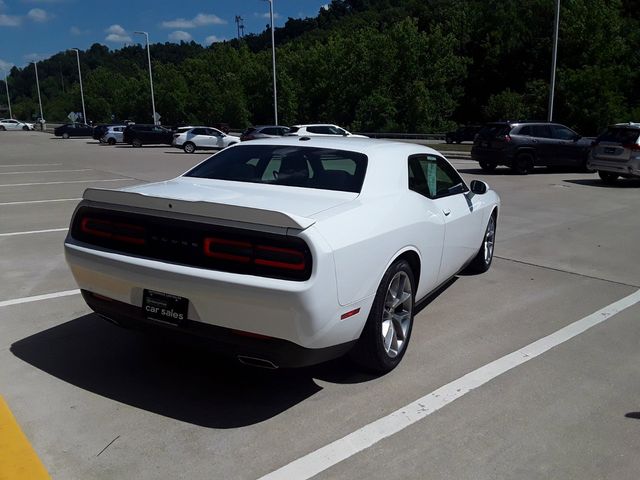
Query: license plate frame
[
  {"x": 609, "y": 150},
  {"x": 164, "y": 307}
]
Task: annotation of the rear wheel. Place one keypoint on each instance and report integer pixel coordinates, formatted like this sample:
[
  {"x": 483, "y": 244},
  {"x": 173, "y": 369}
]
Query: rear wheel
[
  {"x": 386, "y": 334},
  {"x": 488, "y": 166},
  {"x": 65, "y": 135},
  {"x": 523, "y": 164},
  {"x": 608, "y": 177},
  {"x": 25, "y": 128},
  {"x": 2, "y": 129},
  {"x": 111, "y": 141},
  {"x": 136, "y": 142},
  {"x": 189, "y": 147}
]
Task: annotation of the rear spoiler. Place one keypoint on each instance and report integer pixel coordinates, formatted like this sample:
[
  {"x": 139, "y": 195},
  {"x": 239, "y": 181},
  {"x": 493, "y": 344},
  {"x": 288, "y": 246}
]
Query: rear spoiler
[{"x": 222, "y": 211}]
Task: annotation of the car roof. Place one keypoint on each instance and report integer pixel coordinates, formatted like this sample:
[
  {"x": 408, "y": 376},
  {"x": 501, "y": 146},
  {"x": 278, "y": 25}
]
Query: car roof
[
  {"x": 626, "y": 125},
  {"x": 316, "y": 125}
]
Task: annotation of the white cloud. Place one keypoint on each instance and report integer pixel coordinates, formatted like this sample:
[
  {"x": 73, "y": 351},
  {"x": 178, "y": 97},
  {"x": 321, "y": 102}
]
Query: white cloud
[
  {"x": 180, "y": 36},
  {"x": 200, "y": 20},
  {"x": 78, "y": 31},
  {"x": 36, "y": 57},
  {"x": 117, "y": 34},
  {"x": 38, "y": 15},
  {"x": 6, "y": 66},
  {"x": 212, "y": 39},
  {"x": 267, "y": 15},
  {"x": 10, "y": 21},
  {"x": 2, "y": 5}
]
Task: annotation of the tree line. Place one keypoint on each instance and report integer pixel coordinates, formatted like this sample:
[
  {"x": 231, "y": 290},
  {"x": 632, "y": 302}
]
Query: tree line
[{"x": 370, "y": 65}]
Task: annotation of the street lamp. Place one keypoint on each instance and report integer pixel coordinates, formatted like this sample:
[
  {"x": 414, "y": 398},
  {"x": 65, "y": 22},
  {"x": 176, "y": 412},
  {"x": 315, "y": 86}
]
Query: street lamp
[
  {"x": 273, "y": 56},
  {"x": 6, "y": 84},
  {"x": 554, "y": 56},
  {"x": 35, "y": 64},
  {"x": 153, "y": 101},
  {"x": 84, "y": 113}
]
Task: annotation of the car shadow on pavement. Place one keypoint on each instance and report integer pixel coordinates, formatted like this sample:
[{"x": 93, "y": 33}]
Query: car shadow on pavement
[
  {"x": 174, "y": 379},
  {"x": 596, "y": 182},
  {"x": 635, "y": 415}
]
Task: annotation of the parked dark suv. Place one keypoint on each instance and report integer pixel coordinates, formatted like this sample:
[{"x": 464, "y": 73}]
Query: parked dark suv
[
  {"x": 462, "y": 134},
  {"x": 523, "y": 145},
  {"x": 140, "y": 134}
]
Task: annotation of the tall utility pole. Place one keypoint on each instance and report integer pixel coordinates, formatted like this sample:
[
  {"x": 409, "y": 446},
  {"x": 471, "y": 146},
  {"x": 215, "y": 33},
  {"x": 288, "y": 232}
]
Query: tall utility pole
[
  {"x": 84, "y": 113},
  {"x": 35, "y": 64},
  {"x": 153, "y": 101},
  {"x": 273, "y": 56},
  {"x": 6, "y": 84},
  {"x": 554, "y": 57},
  {"x": 240, "y": 26}
]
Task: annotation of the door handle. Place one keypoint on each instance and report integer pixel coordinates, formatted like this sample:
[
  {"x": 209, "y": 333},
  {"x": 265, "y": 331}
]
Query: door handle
[{"x": 446, "y": 212}]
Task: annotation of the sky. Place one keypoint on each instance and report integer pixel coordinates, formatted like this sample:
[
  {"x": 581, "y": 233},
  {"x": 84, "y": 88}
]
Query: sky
[{"x": 36, "y": 29}]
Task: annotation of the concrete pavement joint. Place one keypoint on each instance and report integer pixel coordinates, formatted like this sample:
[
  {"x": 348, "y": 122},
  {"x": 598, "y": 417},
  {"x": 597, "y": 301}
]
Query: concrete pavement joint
[{"x": 531, "y": 264}]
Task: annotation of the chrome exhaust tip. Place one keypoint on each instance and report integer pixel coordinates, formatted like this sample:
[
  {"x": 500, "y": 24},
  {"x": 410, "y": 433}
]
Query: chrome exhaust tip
[{"x": 257, "y": 362}]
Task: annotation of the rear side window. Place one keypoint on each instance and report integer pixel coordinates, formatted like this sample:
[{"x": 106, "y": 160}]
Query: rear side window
[
  {"x": 623, "y": 136},
  {"x": 307, "y": 167},
  {"x": 294, "y": 129},
  {"x": 541, "y": 131}
]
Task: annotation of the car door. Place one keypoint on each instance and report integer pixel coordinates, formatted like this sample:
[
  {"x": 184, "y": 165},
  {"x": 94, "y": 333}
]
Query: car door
[
  {"x": 544, "y": 145},
  {"x": 462, "y": 217},
  {"x": 13, "y": 125},
  {"x": 567, "y": 149},
  {"x": 216, "y": 138}
]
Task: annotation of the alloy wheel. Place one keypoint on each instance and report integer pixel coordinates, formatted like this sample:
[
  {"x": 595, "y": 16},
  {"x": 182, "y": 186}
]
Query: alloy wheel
[{"x": 396, "y": 314}]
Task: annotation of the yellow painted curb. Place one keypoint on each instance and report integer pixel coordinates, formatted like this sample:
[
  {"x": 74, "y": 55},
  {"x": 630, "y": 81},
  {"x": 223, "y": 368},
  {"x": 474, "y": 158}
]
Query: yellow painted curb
[{"x": 18, "y": 461}]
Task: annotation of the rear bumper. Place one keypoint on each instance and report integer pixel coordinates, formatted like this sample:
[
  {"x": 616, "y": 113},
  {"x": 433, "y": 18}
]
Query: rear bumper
[
  {"x": 631, "y": 167},
  {"x": 226, "y": 341},
  {"x": 500, "y": 157}
]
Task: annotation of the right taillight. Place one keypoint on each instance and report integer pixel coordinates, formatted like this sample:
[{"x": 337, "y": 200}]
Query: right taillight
[
  {"x": 632, "y": 146},
  {"x": 507, "y": 138}
]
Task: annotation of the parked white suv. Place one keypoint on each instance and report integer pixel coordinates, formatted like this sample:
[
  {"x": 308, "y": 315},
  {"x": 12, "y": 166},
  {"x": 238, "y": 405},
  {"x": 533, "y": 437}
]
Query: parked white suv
[
  {"x": 200, "y": 138},
  {"x": 616, "y": 152},
  {"x": 113, "y": 135},
  {"x": 323, "y": 129}
]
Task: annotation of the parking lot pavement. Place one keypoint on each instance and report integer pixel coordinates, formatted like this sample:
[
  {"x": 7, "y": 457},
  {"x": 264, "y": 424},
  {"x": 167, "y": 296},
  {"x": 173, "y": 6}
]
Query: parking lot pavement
[{"x": 97, "y": 401}]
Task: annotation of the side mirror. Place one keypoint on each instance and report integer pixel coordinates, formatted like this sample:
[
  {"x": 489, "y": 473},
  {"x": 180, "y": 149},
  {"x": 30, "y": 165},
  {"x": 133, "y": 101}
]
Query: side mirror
[{"x": 479, "y": 187}]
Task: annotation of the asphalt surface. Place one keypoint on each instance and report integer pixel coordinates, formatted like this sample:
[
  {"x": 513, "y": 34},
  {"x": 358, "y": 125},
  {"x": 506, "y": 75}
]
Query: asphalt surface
[{"x": 99, "y": 402}]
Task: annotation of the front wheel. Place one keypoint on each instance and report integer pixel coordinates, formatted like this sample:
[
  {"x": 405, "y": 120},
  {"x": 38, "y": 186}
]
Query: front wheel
[
  {"x": 523, "y": 164},
  {"x": 608, "y": 177},
  {"x": 189, "y": 147},
  {"x": 65, "y": 135},
  {"x": 136, "y": 142},
  {"x": 2, "y": 129},
  {"x": 25, "y": 128},
  {"x": 386, "y": 334},
  {"x": 482, "y": 261},
  {"x": 111, "y": 141}
]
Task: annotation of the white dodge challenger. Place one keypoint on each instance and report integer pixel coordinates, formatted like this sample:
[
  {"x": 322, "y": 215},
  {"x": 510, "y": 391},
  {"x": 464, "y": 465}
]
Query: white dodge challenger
[{"x": 286, "y": 252}]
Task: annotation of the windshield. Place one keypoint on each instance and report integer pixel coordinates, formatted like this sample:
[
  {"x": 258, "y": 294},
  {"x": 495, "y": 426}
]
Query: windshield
[{"x": 308, "y": 167}]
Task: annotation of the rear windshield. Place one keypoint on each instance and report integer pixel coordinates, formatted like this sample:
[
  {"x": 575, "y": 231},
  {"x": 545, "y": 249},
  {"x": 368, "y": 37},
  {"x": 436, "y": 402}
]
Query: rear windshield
[
  {"x": 624, "y": 136},
  {"x": 308, "y": 167},
  {"x": 294, "y": 129},
  {"x": 492, "y": 130}
]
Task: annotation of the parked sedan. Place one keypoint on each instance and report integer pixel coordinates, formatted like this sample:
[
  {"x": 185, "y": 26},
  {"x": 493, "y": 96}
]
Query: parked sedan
[
  {"x": 73, "y": 130},
  {"x": 286, "y": 252},
  {"x": 202, "y": 138},
  {"x": 144, "y": 134},
  {"x": 323, "y": 129},
  {"x": 11, "y": 124},
  {"x": 264, "y": 131}
]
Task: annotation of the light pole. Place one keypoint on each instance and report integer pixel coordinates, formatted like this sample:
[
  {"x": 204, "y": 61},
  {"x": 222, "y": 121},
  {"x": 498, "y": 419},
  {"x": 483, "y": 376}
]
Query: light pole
[
  {"x": 35, "y": 64},
  {"x": 153, "y": 101},
  {"x": 84, "y": 113},
  {"x": 6, "y": 84},
  {"x": 273, "y": 57},
  {"x": 554, "y": 56}
]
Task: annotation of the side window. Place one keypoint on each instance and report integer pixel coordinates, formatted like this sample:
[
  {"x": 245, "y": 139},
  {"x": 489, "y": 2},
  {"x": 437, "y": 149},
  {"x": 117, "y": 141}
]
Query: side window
[
  {"x": 541, "y": 131},
  {"x": 562, "y": 133},
  {"x": 320, "y": 130},
  {"x": 433, "y": 177},
  {"x": 526, "y": 131}
]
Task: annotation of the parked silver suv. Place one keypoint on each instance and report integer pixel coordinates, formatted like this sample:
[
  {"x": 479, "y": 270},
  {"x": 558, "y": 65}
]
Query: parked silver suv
[{"x": 616, "y": 152}]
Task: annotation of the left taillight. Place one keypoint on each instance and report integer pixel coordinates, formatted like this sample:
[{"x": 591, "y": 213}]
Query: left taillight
[{"x": 112, "y": 230}]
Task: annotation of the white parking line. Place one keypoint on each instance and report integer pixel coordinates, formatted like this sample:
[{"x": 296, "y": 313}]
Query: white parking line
[
  {"x": 36, "y": 298},
  {"x": 42, "y": 201},
  {"x": 47, "y": 171},
  {"x": 30, "y": 232},
  {"x": 335, "y": 452},
  {"x": 32, "y": 165},
  {"x": 73, "y": 181}
]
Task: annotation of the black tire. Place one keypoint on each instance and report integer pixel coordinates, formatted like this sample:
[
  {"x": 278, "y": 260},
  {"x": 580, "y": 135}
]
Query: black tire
[
  {"x": 25, "y": 128},
  {"x": 523, "y": 164},
  {"x": 448, "y": 140},
  {"x": 370, "y": 352},
  {"x": 609, "y": 178},
  {"x": 2, "y": 129},
  {"x": 136, "y": 142},
  {"x": 482, "y": 261},
  {"x": 111, "y": 141},
  {"x": 189, "y": 147},
  {"x": 488, "y": 166},
  {"x": 65, "y": 135}
]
